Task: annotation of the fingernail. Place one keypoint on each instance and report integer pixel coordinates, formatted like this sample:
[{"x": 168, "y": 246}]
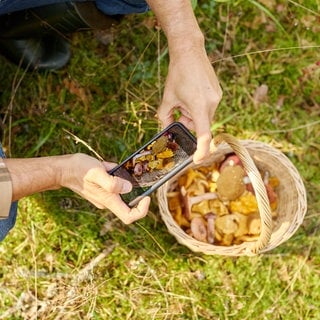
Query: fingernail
[{"x": 126, "y": 187}]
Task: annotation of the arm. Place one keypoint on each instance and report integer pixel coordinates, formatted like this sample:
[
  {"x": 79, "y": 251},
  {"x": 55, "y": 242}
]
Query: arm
[
  {"x": 80, "y": 173},
  {"x": 191, "y": 86}
]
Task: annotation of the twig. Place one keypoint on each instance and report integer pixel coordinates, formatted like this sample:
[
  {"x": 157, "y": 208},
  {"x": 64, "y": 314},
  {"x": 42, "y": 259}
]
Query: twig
[
  {"x": 85, "y": 272},
  {"x": 265, "y": 51},
  {"x": 77, "y": 140}
]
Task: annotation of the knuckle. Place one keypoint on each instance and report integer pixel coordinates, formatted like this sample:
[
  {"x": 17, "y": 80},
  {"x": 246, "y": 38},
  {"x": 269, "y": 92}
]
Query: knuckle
[{"x": 128, "y": 220}]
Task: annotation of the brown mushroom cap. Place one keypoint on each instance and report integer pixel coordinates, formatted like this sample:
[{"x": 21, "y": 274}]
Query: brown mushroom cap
[
  {"x": 230, "y": 183},
  {"x": 199, "y": 229}
]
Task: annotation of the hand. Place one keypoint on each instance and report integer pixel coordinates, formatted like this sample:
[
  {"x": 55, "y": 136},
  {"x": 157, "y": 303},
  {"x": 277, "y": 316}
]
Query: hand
[
  {"x": 191, "y": 85},
  {"x": 88, "y": 177},
  {"x": 192, "y": 88}
]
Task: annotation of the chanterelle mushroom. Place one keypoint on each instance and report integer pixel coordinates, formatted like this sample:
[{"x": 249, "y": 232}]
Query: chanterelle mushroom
[
  {"x": 230, "y": 183},
  {"x": 227, "y": 224}
]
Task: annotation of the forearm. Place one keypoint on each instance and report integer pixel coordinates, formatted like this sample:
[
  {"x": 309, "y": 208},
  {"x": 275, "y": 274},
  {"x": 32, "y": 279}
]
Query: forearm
[
  {"x": 34, "y": 175},
  {"x": 178, "y": 23}
]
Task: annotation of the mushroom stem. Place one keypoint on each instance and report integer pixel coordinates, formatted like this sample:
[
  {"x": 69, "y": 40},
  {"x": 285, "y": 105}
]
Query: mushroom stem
[
  {"x": 202, "y": 197},
  {"x": 246, "y": 180},
  {"x": 190, "y": 201},
  {"x": 266, "y": 177},
  {"x": 210, "y": 227},
  {"x": 139, "y": 155}
]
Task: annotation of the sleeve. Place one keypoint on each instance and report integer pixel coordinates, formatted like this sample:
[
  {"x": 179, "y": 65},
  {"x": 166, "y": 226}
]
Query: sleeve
[
  {"x": 116, "y": 7},
  {"x": 8, "y": 210}
]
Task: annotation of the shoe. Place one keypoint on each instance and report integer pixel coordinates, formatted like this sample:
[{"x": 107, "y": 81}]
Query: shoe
[{"x": 36, "y": 38}]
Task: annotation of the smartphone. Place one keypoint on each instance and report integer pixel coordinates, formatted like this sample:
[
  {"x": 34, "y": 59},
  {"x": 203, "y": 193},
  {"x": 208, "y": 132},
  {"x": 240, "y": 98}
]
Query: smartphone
[{"x": 156, "y": 162}]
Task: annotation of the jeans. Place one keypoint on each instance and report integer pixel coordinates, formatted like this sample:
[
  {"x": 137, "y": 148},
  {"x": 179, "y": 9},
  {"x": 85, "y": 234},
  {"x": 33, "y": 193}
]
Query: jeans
[
  {"x": 109, "y": 7},
  {"x": 7, "y": 224}
]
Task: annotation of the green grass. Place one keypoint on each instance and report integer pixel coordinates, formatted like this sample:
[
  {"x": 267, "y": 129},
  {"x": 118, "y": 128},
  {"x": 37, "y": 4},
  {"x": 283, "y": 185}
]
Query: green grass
[{"x": 67, "y": 260}]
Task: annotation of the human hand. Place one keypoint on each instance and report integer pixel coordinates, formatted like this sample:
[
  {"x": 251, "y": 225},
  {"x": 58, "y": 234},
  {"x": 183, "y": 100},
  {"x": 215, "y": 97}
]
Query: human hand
[
  {"x": 88, "y": 177},
  {"x": 192, "y": 88}
]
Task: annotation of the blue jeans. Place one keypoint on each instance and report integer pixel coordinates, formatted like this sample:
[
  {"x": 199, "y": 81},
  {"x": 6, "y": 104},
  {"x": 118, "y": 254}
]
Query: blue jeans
[
  {"x": 7, "y": 224},
  {"x": 109, "y": 7}
]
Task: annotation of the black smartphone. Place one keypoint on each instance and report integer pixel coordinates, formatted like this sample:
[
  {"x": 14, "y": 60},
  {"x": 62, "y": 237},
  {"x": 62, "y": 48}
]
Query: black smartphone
[{"x": 156, "y": 162}]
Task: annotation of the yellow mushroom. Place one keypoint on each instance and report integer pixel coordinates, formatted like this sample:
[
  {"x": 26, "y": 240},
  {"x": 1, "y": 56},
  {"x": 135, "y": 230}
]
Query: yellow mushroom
[
  {"x": 245, "y": 204},
  {"x": 226, "y": 224},
  {"x": 254, "y": 224},
  {"x": 242, "y": 221}
]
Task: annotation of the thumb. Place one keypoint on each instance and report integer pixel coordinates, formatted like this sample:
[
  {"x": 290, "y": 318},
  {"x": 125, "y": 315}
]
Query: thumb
[
  {"x": 111, "y": 183},
  {"x": 115, "y": 184}
]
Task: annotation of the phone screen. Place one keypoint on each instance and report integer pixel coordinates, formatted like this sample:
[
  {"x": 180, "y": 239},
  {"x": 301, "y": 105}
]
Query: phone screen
[{"x": 156, "y": 162}]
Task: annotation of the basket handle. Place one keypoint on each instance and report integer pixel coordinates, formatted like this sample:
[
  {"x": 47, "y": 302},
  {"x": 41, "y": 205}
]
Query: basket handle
[{"x": 258, "y": 186}]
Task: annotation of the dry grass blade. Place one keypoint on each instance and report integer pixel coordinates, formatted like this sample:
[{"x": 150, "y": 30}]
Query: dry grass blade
[{"x": 78, "y": 140}]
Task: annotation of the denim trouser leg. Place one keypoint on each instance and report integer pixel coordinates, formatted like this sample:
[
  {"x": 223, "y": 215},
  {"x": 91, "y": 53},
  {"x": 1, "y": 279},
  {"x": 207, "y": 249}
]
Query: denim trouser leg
[{"x": 110, "y": 7}]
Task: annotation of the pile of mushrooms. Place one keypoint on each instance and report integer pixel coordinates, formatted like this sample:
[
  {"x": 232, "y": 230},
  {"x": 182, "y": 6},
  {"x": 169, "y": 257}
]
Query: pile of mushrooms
[
  {"x": 216, "y": 204},
  {"x": 156, "y": 156}
]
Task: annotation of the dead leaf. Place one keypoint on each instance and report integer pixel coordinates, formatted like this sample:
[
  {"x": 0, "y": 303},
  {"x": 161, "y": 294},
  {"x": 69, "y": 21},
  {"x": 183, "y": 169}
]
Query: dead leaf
[
  {"x": 73, "y": 87},
  {"x": 261, "y": 94}
]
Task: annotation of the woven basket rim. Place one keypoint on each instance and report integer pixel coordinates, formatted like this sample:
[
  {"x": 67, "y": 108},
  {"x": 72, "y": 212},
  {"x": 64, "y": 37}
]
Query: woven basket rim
[{"x": 287, "y": 229}]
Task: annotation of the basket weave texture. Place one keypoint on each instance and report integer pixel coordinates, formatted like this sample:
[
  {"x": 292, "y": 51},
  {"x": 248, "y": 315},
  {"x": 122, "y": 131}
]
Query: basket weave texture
[{"x": 292, "y": 200}]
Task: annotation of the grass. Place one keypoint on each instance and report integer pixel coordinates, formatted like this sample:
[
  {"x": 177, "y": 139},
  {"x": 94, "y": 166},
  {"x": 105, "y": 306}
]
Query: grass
[{"x": 67, "y": 260}]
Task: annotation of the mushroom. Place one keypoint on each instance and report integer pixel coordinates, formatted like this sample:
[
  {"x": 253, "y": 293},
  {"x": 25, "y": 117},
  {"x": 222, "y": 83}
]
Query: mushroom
[
  {"x": 218, "y": 207},
  {"x": 173, "y": 200},
  {"x": 249, "y": 186},
  {"x": 242, "y": 221},
  {"x": 138, "y": 169},
  {"x": 180, "y": 219},
  {"x": 245, "y": 204},
  {"x": 201, "y": 207},
  {"x": 231, "y": 160},
  {"x": 226, "y": 224},
  {"x": 272, "y": 196},
  {"x": 266, "y": 177},
  {"x": 246, "y": 238},
  {"x": 227, "y": 239},
  {"x": 189, "y": 201},
  {"x": 192, "y": 175},
  {"x": 199, "y": 229},
  {"x": 254, "y": 224},
  {"x": 198, "y": 187},
  {"x": 226, "y": 227},
  {"x": 230, "y": 183},
  {"x": 210, "y": 226},
  {"x": 160, "y": 144},
  {"x": 139, "y": 155}
]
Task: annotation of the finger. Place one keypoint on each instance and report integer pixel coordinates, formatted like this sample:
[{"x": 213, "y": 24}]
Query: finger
[
  {"x": 165, "y": 114},
  {"x": 204, "y": 138},
  {"x": 109, "y": 165},
  {"x": 112, "y": 184},
  {"x": 141, "y": 210},
  {"x": 124, "y": 213},
  {"x": 187, "y": 122}
]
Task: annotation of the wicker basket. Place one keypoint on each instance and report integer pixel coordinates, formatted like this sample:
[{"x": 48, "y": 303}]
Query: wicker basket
[{"x": 292, "y": 203}]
